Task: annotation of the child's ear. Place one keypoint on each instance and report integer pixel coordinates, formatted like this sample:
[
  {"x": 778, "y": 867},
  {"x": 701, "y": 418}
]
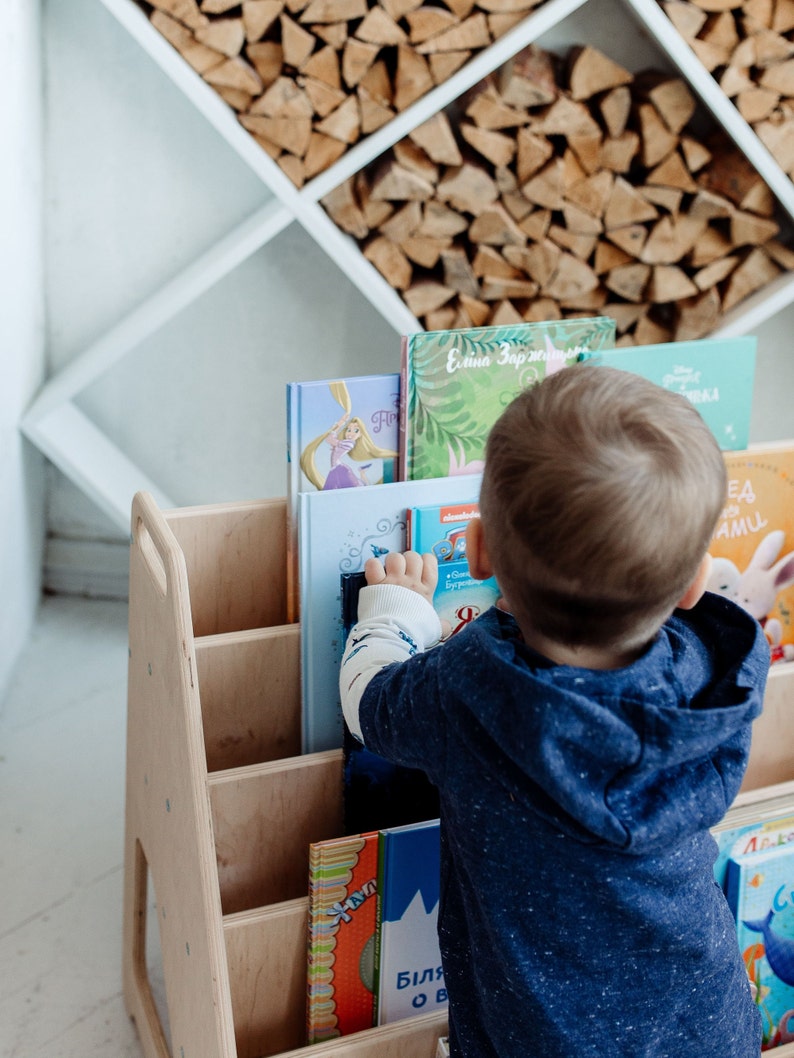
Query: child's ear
[
  {"x": 696, "y": 589},
  {"x": 476, "y": 552}
]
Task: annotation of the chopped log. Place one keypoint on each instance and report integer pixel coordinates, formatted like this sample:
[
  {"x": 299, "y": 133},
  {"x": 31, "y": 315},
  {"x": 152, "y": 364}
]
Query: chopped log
[
  {"x": 581, "y": 246},
  {"x": 445, "y": 319},
  {"x": 410, "y": 156},
  {"x": 426, "y": 296},
  {"x": 460, "y": 8},
  {"x": 630, "y": 238},
  {"x": 458, "y": 272},
  {"x": 185, "y": 11},
  {"x": 536, "y": 224},
  {"x": 378, "y": 28},
  {"x": 268, "y": 59},
  {"x": 199, "y": 56},
  {"x": 608, "y": 256},
  {"x": 546, "y": 187},
  {"x": 669, "y": 241},
  {"x": 444, "y": 64},
  {"x": 425, "y": 22},
  {"x": 748, "y": 229},
  {"x": 779, "y": 141},
  {"x": 566, "y": 117},
  {"x": 259, "y": 16},
  {"x": 755, "y": 271},
  {"x": 294, "y": 168},
  {"x": 488, "y": 261},
  {"x": 539, "y": 260},
  {"x": 590, "y": 72},
  {"x": 615, "y": 108},
  {"x": 284, "y": 99},
  {"x": 628, "y": 281},
  {"x": 581, "y": 221},
  {"x": 674, "y": 103},
  {"x": 571, "y": 278},
  {"x": 496, "y": 289},
  {"x": 397, "y": 9},
  {"x": 759, "y": 199},
  {"x": 424, "y": 250},
  {"x": 669, "y": 198},
  {"x": 657, "y": 139},
  {"x": 397, "y": 184},
  {"x": 686, "y": 18},
  {"x": 440, "y": 220},
  {"x": 697, "y": 316},
  {"x": 437, "y": 140},
  {"x": 373, "y": 114},
  {"x": 588, "y": 150},
  {"x": 714, "y": 273},
  {"x": 333, "y": 11},
  {"x": 292, "y": 134},
  {"x": 542, "y": 309},
  {"x": 235, "y": 73},
  {"x": 323, "y": 66},
  {"x": 467, "y": 188},
  {"x": 413, "y": 78},
  {"x": 669, "y": 283},
  {"x": 390, "y": 261},
  {"x": 297, "y": 43},
  {"x": 488, "y": 110},
  {"x": 533, "y": 152},
  {"x": 779, "y": 78},
  {"x": 721, "y": 33},
  {"x": 477, "y": 309},
  {"x": 592, "y": 193},
  {"x": 344, "y": 123},
  {"x": 771, "y": 48},
  {"x": 343, "y": 208},
  {"x": 618, "y": 152},
  {"x": 783, "y": 17},
  {"x": 528, "y": 80},
  {"x": 649, "y": 332},
  {"x": 694, "y": 153},
  {"x": 332, "y": 33},
  {"x": 505, "y": 314},
  {"x": 672, "y": 172},
  {"x": 497, "y": 148},
  {"x": 403, "y": 223},
  {"x": 711, "y": 246},
  {"x": 322, "y": 97},
  {"x": 357, "y": 58},
  {"x": 780, "y": 254},
  {"x": 225, "y": 35},
  {"x": 236, "y": 98},
  {"x": 494, "y": 226},
  {"x": 624, "y": 313},
  {"x": 627, "y": 206},
  {"x": 322, "y": 152},
  {"x": 735, "y": 79},
  {"x": 377, "y": 84},
  {"x": 217, "y": 7},
  {"x": 471, "y": 33}
]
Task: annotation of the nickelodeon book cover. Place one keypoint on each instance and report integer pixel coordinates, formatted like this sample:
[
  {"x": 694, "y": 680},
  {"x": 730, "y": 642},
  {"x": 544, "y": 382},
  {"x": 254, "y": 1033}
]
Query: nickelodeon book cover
[
  {"x": 753, "y": 543},
  {"x": 408, "y": 978},
  {"x": 455, "y": 384},
  {"x": 760, "y": 892},
  {"x": 341, "y": 948}
]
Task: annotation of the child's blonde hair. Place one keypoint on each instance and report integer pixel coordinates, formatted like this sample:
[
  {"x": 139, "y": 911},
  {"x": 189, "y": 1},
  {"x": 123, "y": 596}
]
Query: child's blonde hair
[{"x": 599, "y": 497}]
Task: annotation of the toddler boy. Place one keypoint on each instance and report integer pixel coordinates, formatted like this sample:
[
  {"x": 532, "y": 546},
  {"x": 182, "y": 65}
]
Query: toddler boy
[{"x": 584, "y": 735}]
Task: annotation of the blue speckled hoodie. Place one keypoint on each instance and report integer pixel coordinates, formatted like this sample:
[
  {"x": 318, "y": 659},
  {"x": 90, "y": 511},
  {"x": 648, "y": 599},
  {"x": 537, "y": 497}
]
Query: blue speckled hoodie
[{"x": 579, "y": 915}]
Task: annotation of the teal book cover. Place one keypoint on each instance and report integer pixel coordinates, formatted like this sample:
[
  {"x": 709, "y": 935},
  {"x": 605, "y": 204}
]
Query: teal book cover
[
  {"x": 715, "y": 374},
  {"x": 759, "y": 887},
  {"x": 455, "y": 384},
  {"x": 408, "y": 975}
]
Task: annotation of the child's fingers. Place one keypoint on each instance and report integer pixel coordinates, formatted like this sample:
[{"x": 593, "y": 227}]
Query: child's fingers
[
  {"x": 429, "y": 570},
  {"x": 394, "y": 564},
  {"x": 374, "y": 572}
]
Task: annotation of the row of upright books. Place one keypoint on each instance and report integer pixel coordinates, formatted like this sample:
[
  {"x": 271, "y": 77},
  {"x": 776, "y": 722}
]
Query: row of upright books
[{"x": 391, "y": 461}]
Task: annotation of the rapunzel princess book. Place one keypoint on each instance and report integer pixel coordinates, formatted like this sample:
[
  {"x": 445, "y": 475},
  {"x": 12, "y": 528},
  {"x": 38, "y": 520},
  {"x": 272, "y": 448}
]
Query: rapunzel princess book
[
  {"x": 753, "y": 543},
  {"x": 341, "y": 434},
  {"x": 455, "y": 384}
]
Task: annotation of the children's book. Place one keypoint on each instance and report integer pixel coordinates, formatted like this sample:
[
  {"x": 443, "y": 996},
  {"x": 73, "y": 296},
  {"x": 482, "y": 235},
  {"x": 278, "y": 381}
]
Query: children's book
[
  {"x": 455, "y": 384},
  {"x": 753, "y": 543},
  {"x": 337, "y": 532},
  {"x": 757, "y": 821},
  {"x": 440, "y": 529},
  {"x": 341, "y": 434},
  {"x": 343, "y": 875},
  {"x": 759, "y": 887},
  {"x": 378, "y": 793},
  {"x": 408, "y": 977},
  {"x": 715, "y": 374}
]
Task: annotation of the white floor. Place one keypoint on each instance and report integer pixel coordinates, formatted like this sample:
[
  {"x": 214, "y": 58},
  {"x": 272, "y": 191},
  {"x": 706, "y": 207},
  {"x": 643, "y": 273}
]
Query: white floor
[{"x": 62, "y": 744}]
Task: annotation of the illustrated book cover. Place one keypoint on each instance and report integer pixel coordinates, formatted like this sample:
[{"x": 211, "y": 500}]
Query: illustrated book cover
[
  {"x": 408, "y": 976},
  {"x": 337, "y": 532},
  {"x": 440, "y": 529},
  {"x": 753, "y": 543},
  {"x": 343, "y": 879},
  {"x": 455, "y": 384},
  {"x": 715, "y": 374},
  {"x": 759, "y": 887},
  {"x": 757, "y": 821},
  {"x": 376, "y": 792},
  {"x": 341, "y": 434}
]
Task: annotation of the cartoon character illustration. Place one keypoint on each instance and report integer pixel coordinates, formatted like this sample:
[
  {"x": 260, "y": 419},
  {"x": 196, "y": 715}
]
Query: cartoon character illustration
[
  {"x": 348, "y": 439},
  {"x": 757, "y": 587},
  {"x": 779, "y": 950}
]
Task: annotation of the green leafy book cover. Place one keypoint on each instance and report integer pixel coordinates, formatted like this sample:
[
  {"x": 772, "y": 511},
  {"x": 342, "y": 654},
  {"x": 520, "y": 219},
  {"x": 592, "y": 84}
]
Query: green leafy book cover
[{"x": 456, "y": 383}]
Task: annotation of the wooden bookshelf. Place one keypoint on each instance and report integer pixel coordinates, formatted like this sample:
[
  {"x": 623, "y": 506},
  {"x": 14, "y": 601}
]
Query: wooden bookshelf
[{"x": 221, "y": 806}]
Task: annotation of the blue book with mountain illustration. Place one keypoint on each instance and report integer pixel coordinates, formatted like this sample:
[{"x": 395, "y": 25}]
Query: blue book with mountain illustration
[
  {"x": 408, "y": 975},
  {"x": 715, "y": 374},
  {"x": 759, "y": 887},
  {"x": 454, "y": 384}
]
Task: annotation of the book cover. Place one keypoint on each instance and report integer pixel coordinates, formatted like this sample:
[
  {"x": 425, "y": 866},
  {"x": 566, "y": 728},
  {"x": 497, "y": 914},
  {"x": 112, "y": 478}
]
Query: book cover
[
  {"x": 376, "y": 792},
  {"x": 454, "y": 385},
  {"x": 753, "y": 543},
  {"x": 343, "y": 876},
  {"x": 341, "y": 434},
  {"x": 756, "y": 822},
  {"x": 409, "y": 978},
  {"x": 760, "y": 892},
  {"x": 440, "y": 529},
  {"x": 337, "y": 532},
  {"x": 715, "y": 374}
]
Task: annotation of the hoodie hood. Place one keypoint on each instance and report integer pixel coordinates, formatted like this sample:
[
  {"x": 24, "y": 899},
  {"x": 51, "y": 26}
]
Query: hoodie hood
[{"x": 635, "y": 757}]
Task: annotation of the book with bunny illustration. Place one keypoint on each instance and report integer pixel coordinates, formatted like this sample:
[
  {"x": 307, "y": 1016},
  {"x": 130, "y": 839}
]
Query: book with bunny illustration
[
  {"x": 455, "y": 384},
  {"x": 753, "y": 543},
  {"x": 759, "y": 887},
  {"x": 341, "y": 434}
]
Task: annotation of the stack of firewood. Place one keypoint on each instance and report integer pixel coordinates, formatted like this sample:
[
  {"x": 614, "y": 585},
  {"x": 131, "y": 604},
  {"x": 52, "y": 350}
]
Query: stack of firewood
[
  {"x": 310, "y": 78},
  {"x": 749, "y": 48},
  {"x": 561, "y": 188}
]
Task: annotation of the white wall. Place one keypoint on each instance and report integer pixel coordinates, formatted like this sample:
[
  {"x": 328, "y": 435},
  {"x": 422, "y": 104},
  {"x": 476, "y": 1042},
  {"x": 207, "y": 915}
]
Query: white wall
[
  {"x": 139, "y": 184},
  {"x": 21, "y": 325}
]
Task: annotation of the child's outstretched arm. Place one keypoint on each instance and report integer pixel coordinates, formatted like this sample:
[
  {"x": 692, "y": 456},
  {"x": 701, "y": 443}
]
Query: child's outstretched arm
[{"x": 396, "y": 620}]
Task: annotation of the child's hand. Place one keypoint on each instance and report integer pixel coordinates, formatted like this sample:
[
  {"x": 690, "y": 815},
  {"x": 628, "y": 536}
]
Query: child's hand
[{"x": 408, "y": 570}]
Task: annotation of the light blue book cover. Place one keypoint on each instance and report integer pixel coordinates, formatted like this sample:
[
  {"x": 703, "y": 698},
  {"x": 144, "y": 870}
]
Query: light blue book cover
[
  {"x": 341, "y": 434},
  {"x": 715, "y": 374},
  {"x": 408, "y": 975},
  {"x": 760, "y": 892},
  {"x": 337, "y": 532}
]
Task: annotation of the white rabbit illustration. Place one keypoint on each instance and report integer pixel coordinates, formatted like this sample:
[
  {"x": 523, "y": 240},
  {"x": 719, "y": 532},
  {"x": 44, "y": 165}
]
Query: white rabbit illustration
[{"x": 757, "y": 588}]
